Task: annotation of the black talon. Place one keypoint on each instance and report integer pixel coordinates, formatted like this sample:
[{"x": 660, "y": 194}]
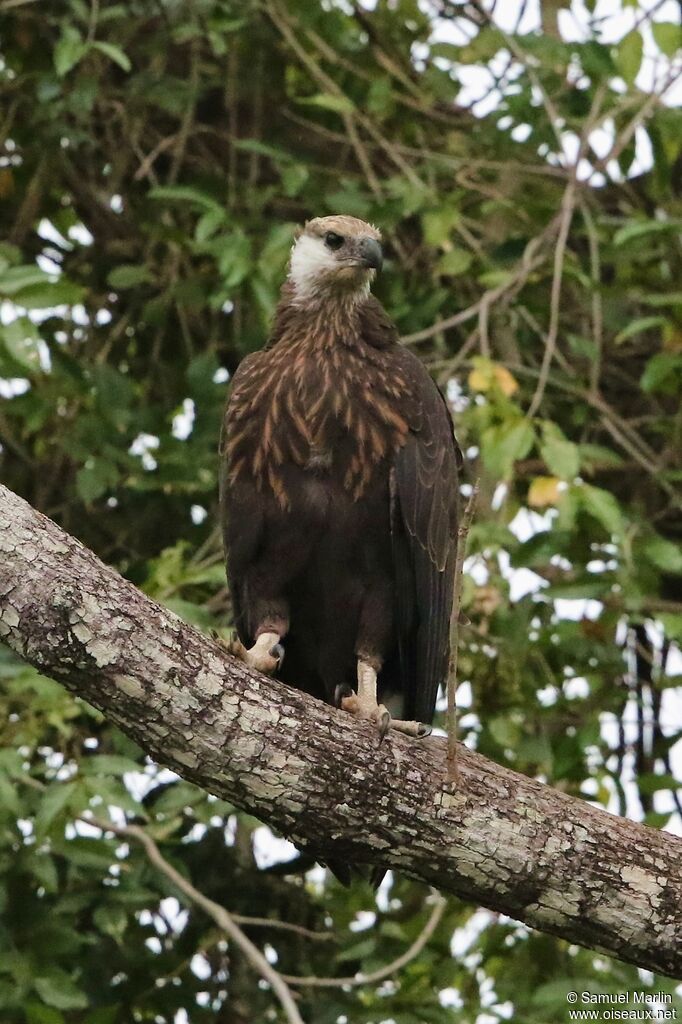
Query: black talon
[
  {"x": 424, "y": 730},
  {"x": 341, "y": 691},
  {"x": 277, "y": 651},
  {"x": 384, "y": 724}
]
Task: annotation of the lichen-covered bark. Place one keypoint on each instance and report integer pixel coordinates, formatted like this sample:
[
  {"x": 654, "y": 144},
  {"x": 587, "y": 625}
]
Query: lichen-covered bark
[{"x": 319, "y": 777}]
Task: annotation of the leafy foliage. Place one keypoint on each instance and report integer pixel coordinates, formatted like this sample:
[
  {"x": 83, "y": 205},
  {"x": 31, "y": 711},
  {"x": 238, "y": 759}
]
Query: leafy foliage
[{"x": 156, "y": 160}]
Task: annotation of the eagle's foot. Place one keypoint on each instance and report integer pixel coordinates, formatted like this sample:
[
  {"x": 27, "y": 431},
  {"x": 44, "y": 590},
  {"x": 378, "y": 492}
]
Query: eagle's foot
[
  {"x": 266, "y": 655},
  {"x": 363, "y": 704},
  {"x": 416, "y": 729},
  {"x": 357, "y": 704}
]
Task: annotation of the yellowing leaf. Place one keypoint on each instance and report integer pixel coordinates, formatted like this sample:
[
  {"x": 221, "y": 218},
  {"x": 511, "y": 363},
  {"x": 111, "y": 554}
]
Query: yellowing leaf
[
  {"x": 543, "y": 491},
  {"x": 479, "y": 380},
  {"x": 487, "y": 374},
  {"x": 506, "y": 381}
]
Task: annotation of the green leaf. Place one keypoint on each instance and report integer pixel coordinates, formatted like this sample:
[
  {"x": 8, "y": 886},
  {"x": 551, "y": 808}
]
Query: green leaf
[
  {"x": 560, "y": 455},
  {"x": 21, "y": 340},
  {"x": 651, "y": 783},
  {"x": 185, "y": 194},
  {"x": 664, "y": 299},
  {"x": 129, "y": 275},
  {"x": 44, "y": 870},
  {"x": 108, "y": 764},
  {"x": 439, "y": 224},
  {"x": 9, "y": 798},
  {"x": 668, "y": 36},
  {"x": 644, "y": 323},
  {"x": 68, "y": 51},
  {"x": 112, "y": 920},
  {"x": 36, "y": 1013},
  {"x": 502, "y": 445},
  {"x": 47, "y": 294},
  {"x": 482, "y": 47},
  {"x": 57, "y": 989},
  {"x": 505, "y": 731},
  {"x": 360, "y": 951},
  {"x": 53, "y": 801},
  {"x": 95, "y": 478},
  {"x": 629, "y": 56},
  {"x": 14, "y": 279},
  {"x": 104, "y": 1015},
  {"x": 455, "y": 261},
  {"x": 602, "y": 506},
  {"x": 641, "y": 228},
  {"x": 209, "y": 223},
  {"x": 329, "y": 101},
  {"x": 664, "y": 554},
  {"x": 114, "y": 53},
  {"x": 661, "y": 373},
  {"x": 672, "y": 625}
]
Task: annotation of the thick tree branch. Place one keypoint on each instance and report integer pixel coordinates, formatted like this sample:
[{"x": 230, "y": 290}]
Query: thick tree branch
[{"x": 319, "y": 777}]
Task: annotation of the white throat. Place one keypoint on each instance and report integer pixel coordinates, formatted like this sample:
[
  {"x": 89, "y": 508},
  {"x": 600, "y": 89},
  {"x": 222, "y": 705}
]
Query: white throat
[{"x": 311, "y": 268}]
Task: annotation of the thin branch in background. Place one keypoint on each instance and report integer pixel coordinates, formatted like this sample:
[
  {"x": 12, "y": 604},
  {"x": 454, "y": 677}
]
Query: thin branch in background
[
  {"x": 597, "y": 312},
  {"x": 625, "y": 136},
  {"x": 568, "y": 204},
  {"x": 188, "y": 115},
  {"x": 94, "y": 17},
  {"x": 565, "y": 219},
  {"x": 283, "y": 926},
  {"x": 146, "y": 168},
  {"x": 383, "y": 972},
  {"x": 447, "y": 367},
  {"x": 222, "y": 918},
  {"x": 483, "y": 329},
  {"x": 462, "y": 534},
  {"x": 281, "y": 23},
  {"x": 530, "y": 261}
]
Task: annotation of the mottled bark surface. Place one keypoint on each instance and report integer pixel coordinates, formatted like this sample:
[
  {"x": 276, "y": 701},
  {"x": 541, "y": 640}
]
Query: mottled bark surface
[{"x": 319, "y": 777}]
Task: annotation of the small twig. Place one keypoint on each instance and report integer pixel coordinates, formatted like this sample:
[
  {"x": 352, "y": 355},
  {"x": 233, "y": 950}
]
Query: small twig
[
  {"x": 568, "y": 204},
  {"x": 283, "y": 25},
  {"x": 94, "y": 16},
  {"x": 148, "y": 161},
  {"x": 462, "y": 534},
  {"x": 530, "y": 260},
  {"x": 187, "y": 118},
  {"x": 383, "y": 972},
  {"x": 597, "y": 313},
  {"x": 283, "y": 926},
  {"x": 624, "y": 138},
  {"x": 566, "y": 217},
  {"x": 222, "y": 918}
]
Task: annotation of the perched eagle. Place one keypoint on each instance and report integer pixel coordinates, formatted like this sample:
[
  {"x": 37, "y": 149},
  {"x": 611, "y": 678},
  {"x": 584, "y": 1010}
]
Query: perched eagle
[{"x": 339, "y": 492}]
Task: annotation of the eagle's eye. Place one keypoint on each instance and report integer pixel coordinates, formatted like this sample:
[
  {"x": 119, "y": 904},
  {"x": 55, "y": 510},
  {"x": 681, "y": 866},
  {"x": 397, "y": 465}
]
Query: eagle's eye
[{"x": 333, "y": 241}]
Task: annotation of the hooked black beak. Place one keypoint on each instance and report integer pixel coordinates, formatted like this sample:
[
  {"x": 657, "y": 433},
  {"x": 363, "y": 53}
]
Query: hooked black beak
[{"x": 371, "y": 254}]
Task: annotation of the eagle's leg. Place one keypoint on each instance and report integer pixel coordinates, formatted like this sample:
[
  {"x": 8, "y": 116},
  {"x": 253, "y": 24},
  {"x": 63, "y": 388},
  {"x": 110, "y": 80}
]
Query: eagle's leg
[
  {"x": 364, "y": 704},
  {"x": 265, "y": 656}
]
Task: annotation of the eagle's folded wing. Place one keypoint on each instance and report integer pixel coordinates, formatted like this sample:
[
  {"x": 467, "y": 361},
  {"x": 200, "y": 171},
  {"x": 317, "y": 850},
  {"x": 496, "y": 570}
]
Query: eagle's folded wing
[{"x": 424, "y": 536}]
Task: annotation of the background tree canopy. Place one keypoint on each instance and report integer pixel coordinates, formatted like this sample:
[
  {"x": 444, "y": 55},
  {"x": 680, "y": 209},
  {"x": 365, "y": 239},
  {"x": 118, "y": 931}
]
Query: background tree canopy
[{"x": 156, "y": 158}]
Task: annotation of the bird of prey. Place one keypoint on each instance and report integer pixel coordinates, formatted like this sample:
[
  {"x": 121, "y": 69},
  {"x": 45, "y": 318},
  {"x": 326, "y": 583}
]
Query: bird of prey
[{"x": 339, "y": 493}]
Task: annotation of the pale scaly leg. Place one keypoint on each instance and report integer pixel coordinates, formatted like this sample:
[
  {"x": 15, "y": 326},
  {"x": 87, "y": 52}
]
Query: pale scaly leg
[
  {"x": 265, "y": 656},
  {"x": 364, "y": 705}
]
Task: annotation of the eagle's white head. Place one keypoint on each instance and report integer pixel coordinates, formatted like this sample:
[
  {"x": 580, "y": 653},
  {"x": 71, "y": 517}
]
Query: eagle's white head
[{"x": 334, "y": 256}]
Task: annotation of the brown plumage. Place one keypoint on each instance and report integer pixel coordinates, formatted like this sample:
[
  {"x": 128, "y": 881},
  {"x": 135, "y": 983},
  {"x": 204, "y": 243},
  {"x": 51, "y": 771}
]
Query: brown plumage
[{"x": 339, "y": 490}]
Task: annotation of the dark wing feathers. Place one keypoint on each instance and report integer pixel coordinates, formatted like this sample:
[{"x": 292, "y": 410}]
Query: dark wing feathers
[{"x": 424, "y": 531}]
